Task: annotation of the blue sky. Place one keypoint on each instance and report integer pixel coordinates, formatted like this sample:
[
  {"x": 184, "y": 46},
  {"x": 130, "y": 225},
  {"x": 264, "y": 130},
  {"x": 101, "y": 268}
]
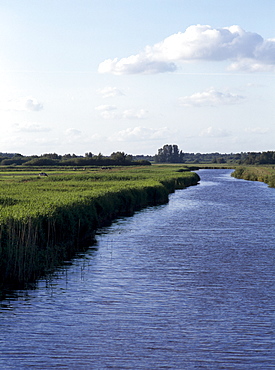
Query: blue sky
[{"x": 134, "y": 75}]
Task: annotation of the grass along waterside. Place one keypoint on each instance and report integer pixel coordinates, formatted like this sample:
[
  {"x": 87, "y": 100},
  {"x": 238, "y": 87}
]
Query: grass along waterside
[
  {"x": 44, "y": 221},
  {"x": 264, "y": 174}
]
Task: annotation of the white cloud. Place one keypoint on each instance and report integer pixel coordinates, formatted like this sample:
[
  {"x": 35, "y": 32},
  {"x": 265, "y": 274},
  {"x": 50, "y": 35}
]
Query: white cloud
[
  {"x": 214, "y": 132},
  {"x": 33, "y": 105},
  {"x": 21, "y": 104},
  {"x": 72, "y": 132},
  {"x": 257, "y": 130},
  {"x": 104, "y": 108},
  {"x": 107, "y": 111},
  {"x": 132, "y": 114},
  {"x": 210, "y": 97},
  {"x": 249, "y": 65},
  {"x": 247, "y": 50},
  {"x": 135, "y": 64},
  {"x": 254, "y": 85},
  {"x": 110, "y": 112},
  {"x": 110, "y": 92},
  {"x": 263, "y": 59},
  {"x": 30, "y": 127},
  {"x": 141, "y": 133}
]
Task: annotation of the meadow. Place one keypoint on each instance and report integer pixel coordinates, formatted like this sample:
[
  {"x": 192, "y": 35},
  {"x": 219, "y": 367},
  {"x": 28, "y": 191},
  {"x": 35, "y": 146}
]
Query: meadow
[{"x": 45, "y": 220}]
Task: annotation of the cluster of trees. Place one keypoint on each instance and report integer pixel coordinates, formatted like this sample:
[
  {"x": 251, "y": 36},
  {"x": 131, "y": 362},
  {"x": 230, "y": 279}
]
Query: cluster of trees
[
  {"x": 169, "y": 154},
  {"x": 259, "y": 158},
  {"x": 172, "y": 154},
  {"x": 54, "y": 159},
  {"x": 214, "y": 158}
]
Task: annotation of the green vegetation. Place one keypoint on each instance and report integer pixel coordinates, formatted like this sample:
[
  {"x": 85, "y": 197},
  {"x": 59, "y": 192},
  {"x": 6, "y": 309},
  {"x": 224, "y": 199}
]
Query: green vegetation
[
  {"x": 45, "y": 220},
  {"x": 265, "y": 174},
  {"x": 166, "y": 154},
  {"x": 250, "y": 158},
  {"x": 254, "y": 158},
  {"x": 54, "y": 159},
  {"x": 172, "y": 154},
  {"x": 169, "y": 154}
]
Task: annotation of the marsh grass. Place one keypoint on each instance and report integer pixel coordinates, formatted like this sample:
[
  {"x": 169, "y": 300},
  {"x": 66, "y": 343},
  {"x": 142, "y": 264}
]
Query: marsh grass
[
  {"x": 44, "y": 221},
  {"x": 264, "y": 174}
]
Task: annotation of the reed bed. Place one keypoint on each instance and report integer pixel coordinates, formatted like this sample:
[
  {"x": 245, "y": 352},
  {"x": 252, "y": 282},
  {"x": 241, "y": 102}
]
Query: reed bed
[
  {"x": 44, "y": 221},
  {"x": 264, "y": 174}
]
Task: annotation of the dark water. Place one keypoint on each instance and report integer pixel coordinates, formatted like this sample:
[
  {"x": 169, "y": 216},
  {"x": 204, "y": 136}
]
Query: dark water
[{"x": 187, "y": 285}]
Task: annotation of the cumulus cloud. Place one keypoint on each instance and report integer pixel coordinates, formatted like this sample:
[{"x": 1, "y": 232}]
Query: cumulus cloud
[
  {"x": 134, "y": 114},
  {"x": 107, "y": 111},
  {"x": 30, "y": 127},
  {"x": 104, "y": 108},
  {"x": 210, "y": 97},
  {"x": 111, "y": 112},
  {"x": 72, "y": 132},
  {"x": 21, "y": 104},
  {"x": 254, "y": 85},
  {"x": 141, "y": 133},
  {"x": 246, "y": 51},
  {"x": 136, "y": 64},
  {"x": 33, "y": 105},
  {"x": 257, "y": 130},
  {"x": 214, "y": 132},
  {"x": 110, "y": 92}
]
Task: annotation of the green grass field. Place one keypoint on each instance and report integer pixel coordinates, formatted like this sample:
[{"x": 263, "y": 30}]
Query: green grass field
[{"x": 44, "y": 220}]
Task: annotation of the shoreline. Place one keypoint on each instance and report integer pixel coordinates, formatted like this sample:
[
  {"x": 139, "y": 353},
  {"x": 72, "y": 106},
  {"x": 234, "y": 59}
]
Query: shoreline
[{"x": 33, "y": 247}]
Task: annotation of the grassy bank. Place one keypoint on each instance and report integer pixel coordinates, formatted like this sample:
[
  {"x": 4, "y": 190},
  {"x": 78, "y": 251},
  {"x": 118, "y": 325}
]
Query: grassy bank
[
  {"x": 265, "y": 174},
  {"x": 46, "y": 220}
]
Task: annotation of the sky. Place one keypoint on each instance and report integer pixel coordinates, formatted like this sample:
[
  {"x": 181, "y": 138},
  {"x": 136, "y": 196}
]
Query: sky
[{"x": 103, "y": 76}]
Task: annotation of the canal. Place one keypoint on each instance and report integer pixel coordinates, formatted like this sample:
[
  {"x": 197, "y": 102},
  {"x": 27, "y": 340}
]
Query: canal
[{"x": 185, "y": 285}]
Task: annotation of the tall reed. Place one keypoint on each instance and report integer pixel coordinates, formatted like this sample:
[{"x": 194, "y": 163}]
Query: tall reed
[
  {"x": 46, "y": 221},
  {"x": 264, "y": 174}
]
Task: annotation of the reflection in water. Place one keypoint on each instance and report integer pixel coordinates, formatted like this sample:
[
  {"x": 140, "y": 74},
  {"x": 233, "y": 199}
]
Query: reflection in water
[{"x": 186, "y": 285}]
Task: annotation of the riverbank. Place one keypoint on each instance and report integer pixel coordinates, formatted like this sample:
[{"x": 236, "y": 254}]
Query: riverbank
[
  {"x": 264, "y": 174},
  {"x": 45, "y": 220}
]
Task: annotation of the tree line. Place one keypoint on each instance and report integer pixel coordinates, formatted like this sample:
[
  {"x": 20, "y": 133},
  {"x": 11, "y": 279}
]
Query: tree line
[
  {"x": 260, "y": 158},
  {"x": 54, "y": 159},
  {"x": 169, "y": 153},
  {"x": 172, "y": 154}
]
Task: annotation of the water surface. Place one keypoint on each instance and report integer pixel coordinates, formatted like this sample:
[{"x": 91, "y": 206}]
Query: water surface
[{"x": 186, "y": 285}]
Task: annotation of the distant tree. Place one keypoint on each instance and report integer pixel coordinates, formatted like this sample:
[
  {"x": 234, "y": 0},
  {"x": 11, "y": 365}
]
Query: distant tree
[
  {"x": 14, "y": 161},
  {"x": 52, "y": 156},
  {"x": 267, "y": 158},
  {"x": 42, "y": 162},
  {"x": 142, "y": 162},
  {"x": 99, "y": 157},
  {"x": 89, "y": 155},
  {"x": 169, "y": 154},
  {"x": 67, "y": 156},
  {"x": 119, "y": 157}
]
